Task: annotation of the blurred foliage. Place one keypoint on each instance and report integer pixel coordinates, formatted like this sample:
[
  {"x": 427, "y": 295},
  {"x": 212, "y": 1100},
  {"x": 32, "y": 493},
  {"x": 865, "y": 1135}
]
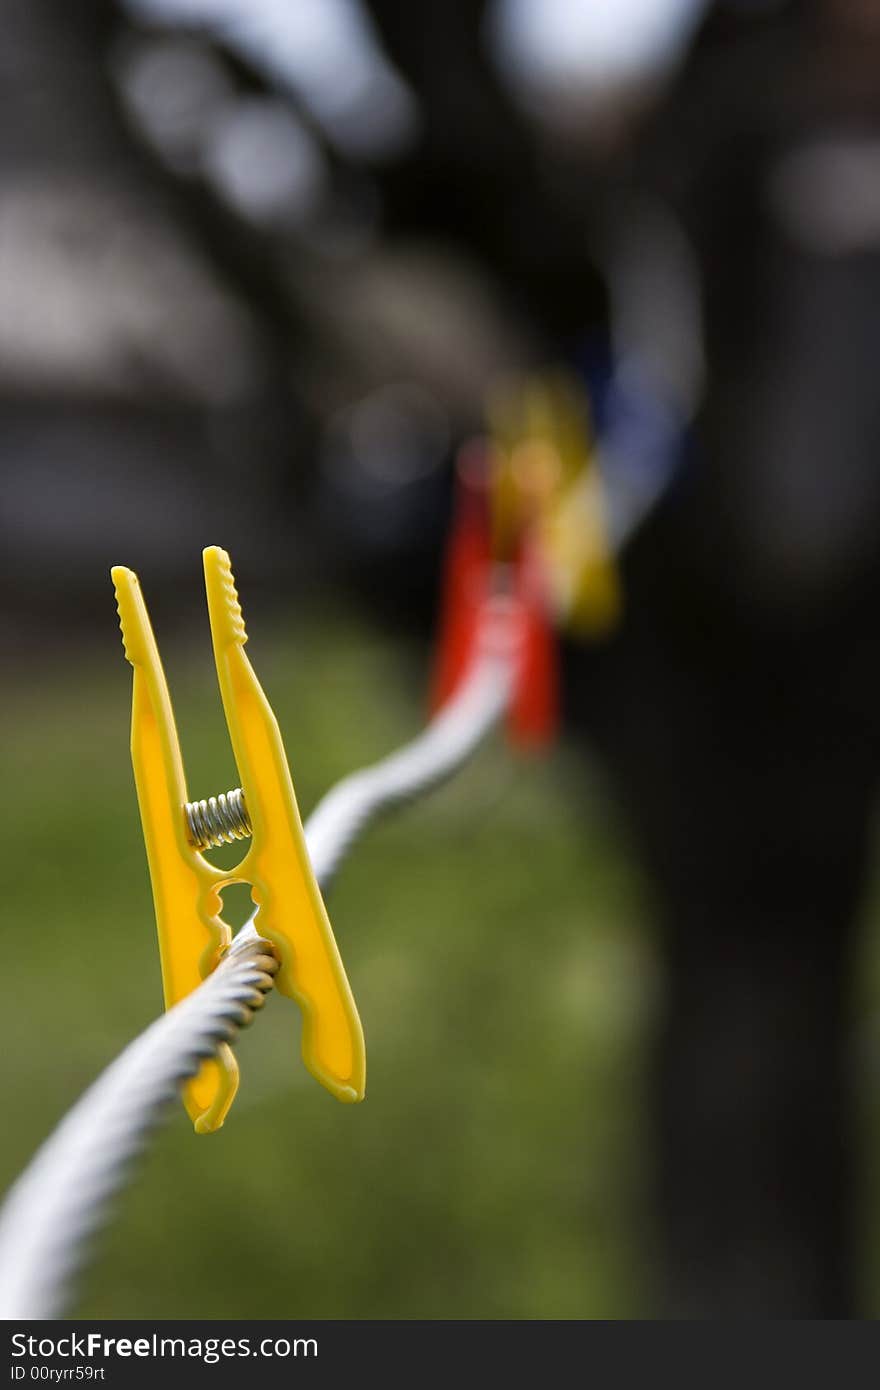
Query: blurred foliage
[{"x": 507, "y": 992}]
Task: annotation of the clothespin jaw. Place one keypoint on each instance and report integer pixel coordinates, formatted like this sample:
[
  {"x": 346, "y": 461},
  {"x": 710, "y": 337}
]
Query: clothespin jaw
[
  {"x": 186, "y": 887},
  {"x": 534, "y": 718},
  {"x": 291, "y": 910},
  {"x": 467, "y": 569},
  {"x": 192, "y": 936}
]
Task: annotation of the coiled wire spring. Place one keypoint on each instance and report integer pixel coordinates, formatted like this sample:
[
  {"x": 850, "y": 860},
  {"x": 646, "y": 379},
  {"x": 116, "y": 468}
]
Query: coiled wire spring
[{"x": 218, "y": 821}]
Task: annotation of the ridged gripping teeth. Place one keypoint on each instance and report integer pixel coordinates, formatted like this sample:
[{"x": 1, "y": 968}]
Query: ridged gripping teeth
[
  {"x": 227, "y": 620},
  {"x": 132, "y": 613}
]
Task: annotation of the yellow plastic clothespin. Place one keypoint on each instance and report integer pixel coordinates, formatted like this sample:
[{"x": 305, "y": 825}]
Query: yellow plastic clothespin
[
  {"x": 550, "y": 477},
  {"x": 574, "y": 530},
  {"x": 186, "y": 887}
]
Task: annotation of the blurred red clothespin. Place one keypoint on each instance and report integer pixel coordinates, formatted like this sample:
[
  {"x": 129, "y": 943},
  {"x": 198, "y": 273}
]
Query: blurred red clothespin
[
  {"x": 534, "y": 710},
  {"x": 491, "y": 553}
]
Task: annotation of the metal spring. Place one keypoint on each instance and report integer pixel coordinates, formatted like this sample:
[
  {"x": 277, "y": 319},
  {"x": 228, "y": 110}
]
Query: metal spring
[{"x": 218, "y": 821}]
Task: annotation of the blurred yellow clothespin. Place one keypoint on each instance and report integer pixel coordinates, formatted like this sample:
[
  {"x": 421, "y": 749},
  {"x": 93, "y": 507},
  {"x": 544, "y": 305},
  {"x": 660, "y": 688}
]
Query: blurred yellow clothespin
[
  {"x": 186, "y": 887},
  {"x": 546, "y": 476}
]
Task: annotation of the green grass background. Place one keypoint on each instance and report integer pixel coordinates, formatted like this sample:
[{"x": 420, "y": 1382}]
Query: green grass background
[{"x": 507, "y": 986}]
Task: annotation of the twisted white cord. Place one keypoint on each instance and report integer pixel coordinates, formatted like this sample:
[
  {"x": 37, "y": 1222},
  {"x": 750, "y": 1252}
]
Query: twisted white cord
[
  {"x": 436, "y": 754},
  {"x": 62, "y": 1197}
]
